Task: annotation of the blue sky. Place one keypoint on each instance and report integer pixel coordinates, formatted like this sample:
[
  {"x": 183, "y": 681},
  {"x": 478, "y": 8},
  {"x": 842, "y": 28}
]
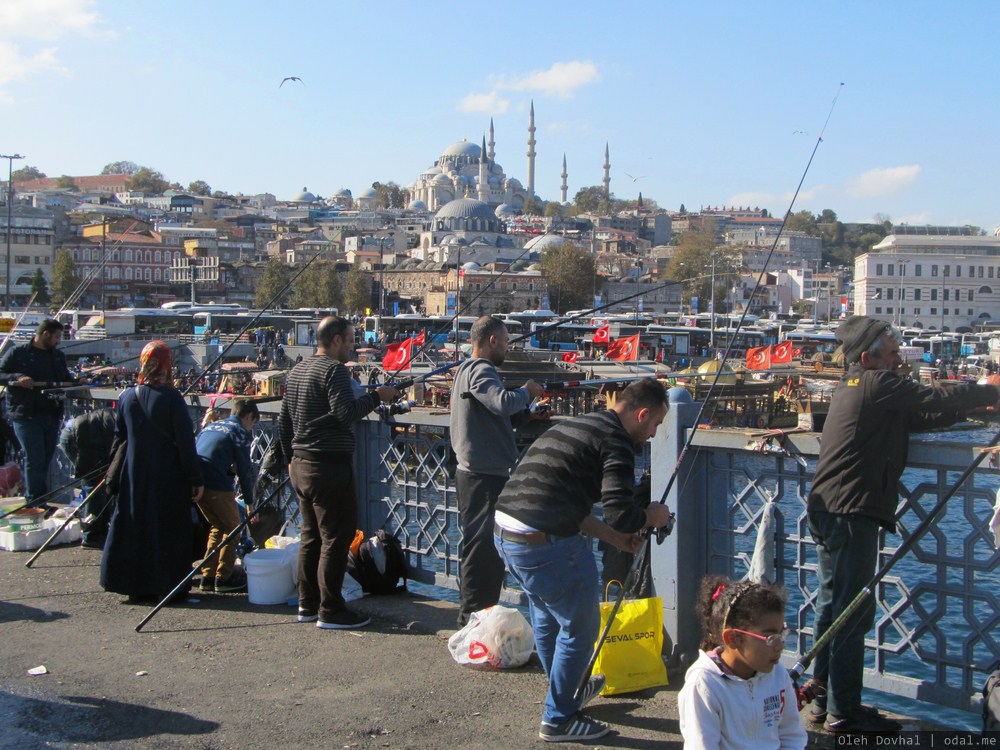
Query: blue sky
[{"x": 703, "y": 105}]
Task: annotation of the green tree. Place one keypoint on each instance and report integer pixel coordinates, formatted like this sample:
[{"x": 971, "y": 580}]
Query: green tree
[
  {"x": 65, "y": 278},
  {"x": 275, "y": 277},
  {"x": 27, "y": 173},
  {"x": 40, "y": 288},
  {"x": 570, "y": 274},
  {"x": 827, "y": 216},
  {"x": 65, "y": 182},
  {"x": 531, "y": 208},
  {"x": 146, "y": 180},
  {"x": 357, "y": 289},
  {"x": 803, "y": 221},
  {"x": 553, "y": 210},
  {"x": 590, "y": 200},
  {"x": 200, "y": 187},
  {"x": 121, "y": 167},
  {"x": 692, "y": 264},
  {"x": 389, "y": 195},
  {"x": 318, "y": 286}
]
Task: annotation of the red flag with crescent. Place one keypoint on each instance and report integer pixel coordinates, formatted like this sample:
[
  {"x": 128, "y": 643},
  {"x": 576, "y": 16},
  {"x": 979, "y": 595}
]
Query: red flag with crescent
[
  {"x": 419, "y": 340},
  {"x": 759, "y": 358},
  {"x": 569, "y": 357},
  {"x": 622, "y": 350},
  {"x": 602, "y": 335},
  {"x": 397, "y": 356},
  {"x": 781, "y": 354}
]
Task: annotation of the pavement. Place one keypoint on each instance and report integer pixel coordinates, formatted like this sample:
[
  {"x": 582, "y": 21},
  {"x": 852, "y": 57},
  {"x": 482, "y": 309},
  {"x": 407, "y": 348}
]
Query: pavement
[{"x": 222, "y": 673}]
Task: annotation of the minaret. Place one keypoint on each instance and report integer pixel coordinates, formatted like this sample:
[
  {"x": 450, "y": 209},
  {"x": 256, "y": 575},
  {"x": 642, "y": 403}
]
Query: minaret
[
  {"x": 607, "y": 172},
  {"x": 531, "y": 152},
  {"x": 484, "y": 185},
  {"x": 564, "y": 176},
  {"x": 492, "y": 143}
]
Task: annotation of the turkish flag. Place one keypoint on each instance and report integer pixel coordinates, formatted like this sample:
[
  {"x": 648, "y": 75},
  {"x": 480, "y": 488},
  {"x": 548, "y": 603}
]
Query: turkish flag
[
  {"x": 419, "y": 339},
  {"x": 602, "y": 335},
  {"x": 622, "y": 350},
  {"x": 781, "y": 354},
  {"x": 397, "y": 356},
  {"x": 759, "y": 358},
  {"x": 569, "y": 357}
]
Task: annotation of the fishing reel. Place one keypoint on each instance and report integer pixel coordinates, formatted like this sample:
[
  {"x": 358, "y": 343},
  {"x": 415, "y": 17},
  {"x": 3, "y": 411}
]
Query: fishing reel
[
  {"x": 387, "y": 411},
  {"x": 667, "y": 529}
]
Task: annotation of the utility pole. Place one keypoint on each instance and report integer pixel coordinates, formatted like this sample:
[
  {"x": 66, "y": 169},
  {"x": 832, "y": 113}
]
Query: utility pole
[
  {"x": 711, "y": 341},
  {"x": 10, "y": 204}
]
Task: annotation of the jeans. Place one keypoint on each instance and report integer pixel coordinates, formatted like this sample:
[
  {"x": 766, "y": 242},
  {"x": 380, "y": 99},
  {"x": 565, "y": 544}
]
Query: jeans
[
  {"x": 847, "y": 546},
  {"x": 39, "y": 437},
  {"x": 559, "y": 578},
  {"x": 480, "y": 568},
  {"x": 329, "y": 521}
]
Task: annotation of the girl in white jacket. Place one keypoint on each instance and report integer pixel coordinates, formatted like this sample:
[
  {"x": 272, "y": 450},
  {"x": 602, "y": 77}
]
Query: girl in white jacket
[{"x": 737, "y": 694}]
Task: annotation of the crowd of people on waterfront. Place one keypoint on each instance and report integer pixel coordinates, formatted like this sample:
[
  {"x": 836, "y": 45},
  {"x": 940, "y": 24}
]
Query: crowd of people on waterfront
[{"x": 529, "y": 516}]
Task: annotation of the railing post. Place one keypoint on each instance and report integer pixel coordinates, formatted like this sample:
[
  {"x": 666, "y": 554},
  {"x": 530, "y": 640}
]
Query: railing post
[{"x": 677, "y": 564}]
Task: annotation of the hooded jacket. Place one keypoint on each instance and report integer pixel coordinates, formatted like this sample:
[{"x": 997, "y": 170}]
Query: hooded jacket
[
  {"x": 867, "y": 433},
  {"x": 720, "y": 711}
]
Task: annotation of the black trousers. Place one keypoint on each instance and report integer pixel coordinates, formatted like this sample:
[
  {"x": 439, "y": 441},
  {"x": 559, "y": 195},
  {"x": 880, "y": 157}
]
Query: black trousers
[{"x": 480, "y": 569}]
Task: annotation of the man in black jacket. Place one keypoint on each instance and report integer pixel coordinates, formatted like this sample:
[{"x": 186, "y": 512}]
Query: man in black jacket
[
  {"x": 854, "y": 496},
  {"x": 36, "y": 415},
  {"x": 86, "y": 441}
]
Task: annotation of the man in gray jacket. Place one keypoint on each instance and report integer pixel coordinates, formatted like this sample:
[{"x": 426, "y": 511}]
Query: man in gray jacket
[{"x": 482, "y": 437}]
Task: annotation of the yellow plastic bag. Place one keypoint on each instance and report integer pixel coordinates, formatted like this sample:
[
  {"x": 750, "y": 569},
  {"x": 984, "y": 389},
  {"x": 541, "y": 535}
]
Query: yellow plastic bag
[{"x": 631, "y": 658}]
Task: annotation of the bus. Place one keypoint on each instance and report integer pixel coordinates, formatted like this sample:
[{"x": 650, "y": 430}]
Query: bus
[
  {"x": 437, "y": 329},
  {"x": 806, "y": 343},
  {"x": 678, "y": 343},
  {"x": 565, "y": 337}
]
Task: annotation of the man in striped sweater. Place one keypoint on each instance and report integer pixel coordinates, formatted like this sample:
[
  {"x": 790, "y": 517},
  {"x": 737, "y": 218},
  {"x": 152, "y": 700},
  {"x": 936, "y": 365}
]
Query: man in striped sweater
[
  {"x": 316, "y": 430},
  {"x": 543, "y": 525}
]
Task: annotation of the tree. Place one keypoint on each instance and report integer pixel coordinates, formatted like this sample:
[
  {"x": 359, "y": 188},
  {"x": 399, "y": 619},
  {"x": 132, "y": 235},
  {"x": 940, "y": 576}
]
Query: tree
[
  {"x": 553, "y": 210},
  {"x": 692, "y": 264},
  {"x": 318, "y": 286},
  {"x": 121, "y": 167},
  {"x": 146, "y": 180},
  {"x": 590, "y": 200},
  {"x": 357, "y": 289},
  {"x": 65, "y": 182},
  {"x": 570, "y": 274},
  {"x": 275, "y": 277},
  {"x": 803, "y": 221},
  {"x": 389, "y": 195},
  {"x": 531, "y": 208},
  {"x": 200, "y": 187},
  {"x": 827, "y": 216},
  {"x": 65, "y": 278},
  {"x": 40, "y": 288},
  {"x": 27, "y": 173}
]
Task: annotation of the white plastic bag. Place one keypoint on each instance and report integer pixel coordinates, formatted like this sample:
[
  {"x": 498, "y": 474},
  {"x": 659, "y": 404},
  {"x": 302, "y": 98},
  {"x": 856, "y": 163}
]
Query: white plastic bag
[{"x": 494, "y": 638}]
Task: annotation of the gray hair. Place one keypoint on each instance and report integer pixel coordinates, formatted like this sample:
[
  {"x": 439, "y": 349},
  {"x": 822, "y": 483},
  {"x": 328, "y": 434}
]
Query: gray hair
[{"x": 892, "y": 334}]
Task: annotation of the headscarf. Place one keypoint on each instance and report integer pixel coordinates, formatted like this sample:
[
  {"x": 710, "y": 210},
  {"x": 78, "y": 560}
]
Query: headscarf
[{"x": 155, "y": 366}]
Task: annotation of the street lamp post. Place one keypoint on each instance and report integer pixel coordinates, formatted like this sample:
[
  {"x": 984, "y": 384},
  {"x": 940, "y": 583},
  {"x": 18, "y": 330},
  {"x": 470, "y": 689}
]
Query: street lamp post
[
  {"x": 711, "y": 338},
  {"x": 10, "y": 204},
  {"x": 899, "y": 302},
  {"x": 944, "y": 269}
]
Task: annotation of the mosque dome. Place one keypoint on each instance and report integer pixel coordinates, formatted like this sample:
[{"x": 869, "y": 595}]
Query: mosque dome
[
  {"x": 470, "y": 266},
  {"x": 343, "y": 193},
  {"x": 504, "y": 210},
  {"x": 442, "y": 179},
  {"x": 462, "y": 148},
  {"x": 544, "y": 242},
  {"x": 304, "y": 197},
  {"x": 466, "y": 208},
  {"x": 417, "y": 206},
  {"x": 369, "y": 193}
]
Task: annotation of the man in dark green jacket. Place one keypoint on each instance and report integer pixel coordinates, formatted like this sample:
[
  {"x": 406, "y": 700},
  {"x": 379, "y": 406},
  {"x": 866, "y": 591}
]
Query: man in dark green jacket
[{"x": 854, "y": 495}]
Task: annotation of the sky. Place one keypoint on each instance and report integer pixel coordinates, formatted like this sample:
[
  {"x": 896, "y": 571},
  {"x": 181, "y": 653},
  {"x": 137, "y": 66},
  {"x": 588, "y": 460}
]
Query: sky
[{"x": 700, "y": 105}]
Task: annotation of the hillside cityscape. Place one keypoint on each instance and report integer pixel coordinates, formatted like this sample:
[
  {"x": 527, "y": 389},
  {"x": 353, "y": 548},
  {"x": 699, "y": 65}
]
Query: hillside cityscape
[{"x": 466, "y": 228}]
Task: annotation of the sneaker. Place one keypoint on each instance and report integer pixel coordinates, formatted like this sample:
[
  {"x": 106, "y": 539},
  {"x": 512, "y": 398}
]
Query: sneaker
[
  {"x": 207, "y": 584},
  {"x": 308, "y": 615},
  {"x": 346, "y": 620},
  {"x": 577, "y": 729},
  {"x": 235, "y": 583},
  {"x": 867, "y": 720},
  {"x": 594, "y": 686}
]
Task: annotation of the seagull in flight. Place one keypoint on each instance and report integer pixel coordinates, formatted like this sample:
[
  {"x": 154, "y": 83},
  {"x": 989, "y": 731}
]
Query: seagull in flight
[
  {"x": 289, "y": 78},
  {"x": 634, "y": 179},
  {"x": 796, "y": 132}
]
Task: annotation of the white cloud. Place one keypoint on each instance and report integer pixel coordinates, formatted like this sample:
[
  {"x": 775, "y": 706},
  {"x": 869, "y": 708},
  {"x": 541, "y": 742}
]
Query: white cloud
[
  {"x": 23, "y": 25},
  {"x": 491, "y": 103},
  {"x": 557, "y": 127},
  {"x": 561, "y": 79},
  {"x": 877, "y": 183},
  {"x": 775, "y": 203}
]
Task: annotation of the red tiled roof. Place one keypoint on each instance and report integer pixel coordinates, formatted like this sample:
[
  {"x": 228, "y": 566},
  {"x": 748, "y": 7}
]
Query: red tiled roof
[{"x": 112, "y": 183}]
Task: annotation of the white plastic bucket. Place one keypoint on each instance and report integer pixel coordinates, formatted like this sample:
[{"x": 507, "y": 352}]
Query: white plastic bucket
[{"x": 269, "y": 576}]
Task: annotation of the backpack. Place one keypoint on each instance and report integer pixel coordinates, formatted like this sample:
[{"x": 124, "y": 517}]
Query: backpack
[
  {"x": 378, "y": 564},
  {"x": 991, "y": 702}
]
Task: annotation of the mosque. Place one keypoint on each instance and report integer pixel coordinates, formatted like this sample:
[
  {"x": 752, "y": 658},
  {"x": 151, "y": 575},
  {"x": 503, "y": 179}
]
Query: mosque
[{"x": 466, "y": 170}]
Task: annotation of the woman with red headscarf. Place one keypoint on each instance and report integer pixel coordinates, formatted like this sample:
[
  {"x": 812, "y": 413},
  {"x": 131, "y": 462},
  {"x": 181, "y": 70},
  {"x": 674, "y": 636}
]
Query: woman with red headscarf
[{"x": 149, "y": 544}]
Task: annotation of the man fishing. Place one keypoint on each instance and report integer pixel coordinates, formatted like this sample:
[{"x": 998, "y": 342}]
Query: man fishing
[{"x": 854, "y": 496}]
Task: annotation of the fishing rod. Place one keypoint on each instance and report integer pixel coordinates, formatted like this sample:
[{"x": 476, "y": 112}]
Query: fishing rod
[
  {"x": 868, "y": 589},
  {"x": 40, "y": 500},
  {"x": 661, "y": 534},
  {"x": 76, "y": 511},
  {"x": 249, "y": 325},
  {"x": 92, "y": 272},
  {"x": 216, "y": 550}
]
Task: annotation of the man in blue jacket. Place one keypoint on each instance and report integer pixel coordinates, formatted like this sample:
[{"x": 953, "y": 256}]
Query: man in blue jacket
[
  {"x": 36, "y": 414},
  {"x": 223, "y": 446}
]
